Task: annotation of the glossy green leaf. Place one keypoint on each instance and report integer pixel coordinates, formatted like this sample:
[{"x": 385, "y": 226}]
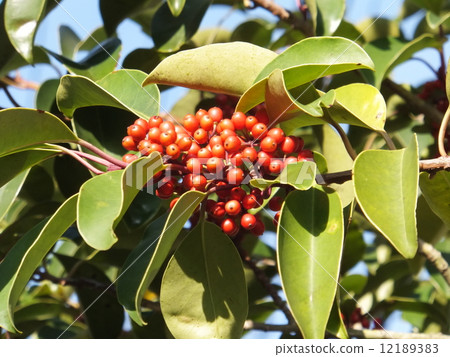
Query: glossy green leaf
[
  {"x": 387, "y": 53},
  {"x": 436, "y": 190},
  {"x": 146, "y": 259},
  {"x": 326, "y": 15},
  {"x": 359, "y": 104},
  {"x": 14, "y": 164},
  {"x": 306, "y": 61},
  {"x": 121, "y": 89},
  {"x": 22, "y": 18},
  {"x": 338, "y": 159},
  {"x": 348, "y": 30},
  {"x": 336, "y": 325},
  {"x": 46, "y": 95},
  {"x": 104, "y": 199},
  {"x": 144, "y": 59},
  {"x": 310, "y": 240},
  {"x": 213, "y": 68},
  {"x": 9, "y": 192},
  {"x": 68, "y": 40},
  {"x": 207, "y": 268},
  {"x": 8, "y": 51},
  {"x": 99, "y": 62},
  {"x": 170, "y": 32},
  {"x": 176, "y": 6},
  {"x": 301, "y": 176},
  {"x": 390, "y": 179},
  {"x": 36, "y": 127},
  {"x": 23, "y": 259},
  {"x": 258, "y": 32}
]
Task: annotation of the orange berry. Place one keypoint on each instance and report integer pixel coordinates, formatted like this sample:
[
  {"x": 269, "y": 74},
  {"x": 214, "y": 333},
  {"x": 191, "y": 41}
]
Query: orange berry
[
  {"x": 143, "y": 123},
  {"x": 233, "y": 207},
  {"x": 218, "y": 151},
  {"x": 129, "y": 158},
  {"x": 173, "y": 150},
  {"x": 191, "y": 123},
  {"x": 232, "y": 144},
  {"x": 137, "y": 132},
  {"x": 129, "y": 143},
  {"x": 238, "y": 120},
  {"x": 194, "y": 165},
  {"x": 184, "y": 143},
  {"x": 250, "y": 154},
  {"x": 268, "y": 144},
  {"x": 204, "y": 153},
  {"x": 250, "y": 122},
  {"x": 206, "y": 122},
  {"x": 215, "y": 165},
  {"x": 235, "y": 176},
  {"x": 259, "y": 131},
  {"x": 201, "y": 136},
  {"x": 165, "y": 126},
  {"x": 154, "y": 134},
  {"x": 276, "y": 166},
  {"x": 155, "y": 121},
  {"x": 200, "y": 114},
  {"x": 277, "y": 134},
  {"x": 215, "y": 113}
]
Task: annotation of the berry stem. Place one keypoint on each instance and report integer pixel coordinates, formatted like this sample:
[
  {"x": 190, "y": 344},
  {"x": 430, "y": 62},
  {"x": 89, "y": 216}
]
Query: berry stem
[
  {"x": 100, "y": 153},
  {"x": 93, "y": 158},
  {"x": 75, "y": 155},
  {"x": 442, "y": 131}
]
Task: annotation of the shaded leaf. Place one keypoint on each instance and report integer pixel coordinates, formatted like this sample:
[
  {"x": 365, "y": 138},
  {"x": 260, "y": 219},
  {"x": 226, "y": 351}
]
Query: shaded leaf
[
  {"x": 144, "y": 59},
  {"x": 17, "y": 61},
  {"x": 146, "y": 259},
  {"x": 310, "y": 240},
  {"x": 36, "y": 127},
  {"x": 170, "y": 32},
  {"x": 46, "y": 95},
  {"x": 9, "y": 192},
  {"x": 326, "y": 15},
  {"x": 120, "y": 89},
  {"x": 301, "y": 176},
  {"x": 213, "y": 68},
  {"x": 258, "y": 32},
  {"x": 390, "y": 179},
  {"x": 26, "y": 255},
  {"x": 436, "y": 190},
  {"x": 306, "y": 61},
  {"x": 389, "y": 52},
  {"x": 22, "y": 18},
  {"x": 336, "y": 324},
  {"x": 68, "y": 41},
  {"x": 207, "y": 267},
  {"x": 104, "y": 199}
]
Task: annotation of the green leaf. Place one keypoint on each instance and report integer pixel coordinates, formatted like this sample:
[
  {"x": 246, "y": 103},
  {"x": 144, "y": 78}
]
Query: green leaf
[
  {"x": 104, "y": 199},
  {"x": 301, "y": 176},
  {"x": 13, "y": 164},
  {"x": 310, "y": 240},
  {"x": 9, "y": 192},
  {"x": 99, "y": 62},
  {"x": 389, "y": 52},
  {"x": 376, "y": 28},
  {"x": 258, "y": 32},
  {"x": 17, "y": 61},
  {"x": 121, "y": 89},
  {"x": 68, "y": 41},
  {"x": 435, "y": 20},
  {"x": 36, "y": 127},
  {"x": 338, "y": 159},
  {"x": 390, "y": 179},
  {"x": 27, "y": 254},
  {"x": 432, "y": 5},
  {"x": 336, "y": 325},
  {"x": 46, "y": 95},
  {"x": 176, "y": 6},
  {"x": 144, "y": 59},
  {"x": 170, "y": 32},
  {"x": 359, "y": 104},
  {"x": 436, "y": 190},
  {"x": 22, "y": 18},
  {"x": 213, "y": 67},
  {"x": 146, "y": 259},
  {"x": 326, "y": 15},
  {"x": 207, "y": 268},
  {"x": 306, "y": 61},
  {"x": 8, "y": 50}
]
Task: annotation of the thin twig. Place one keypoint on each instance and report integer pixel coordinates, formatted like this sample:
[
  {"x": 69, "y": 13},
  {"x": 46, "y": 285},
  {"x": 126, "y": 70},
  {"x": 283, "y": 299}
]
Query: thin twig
[
  {"x": 9, "y": 95},
  {"x": 442, "y": 132},
  {"x": 100, "y": 153},
  {"x": 79, "y": 159},
  {"x": 19, "y": 82},
  {"x": 388, "y": 140},
  {"x": 435, "y": 257},
  {"x": 440, "y": 163},
  {"x": 414, "y": 101}
]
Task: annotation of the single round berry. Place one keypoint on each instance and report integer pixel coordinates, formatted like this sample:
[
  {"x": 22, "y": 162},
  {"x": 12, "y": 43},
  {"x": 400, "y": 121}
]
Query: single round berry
[
  {"x": 250, "y": 121},
  {"x": 201, "y": 113},
  {"x": 201, "y": 136},
  {"x": 191, "y": 123},
  {"x": 226, "y": 133},
  {"x": 154, "y": 135},
  {"x": 184, "y": 143},
  {"x": 264, "y": 159},
  {"x": 268, "y": 144},
  {"x": 215, "y": 113},
  {"x": 275, "y": 203},
  {"x": 290, "y": 160},
  {"x": 199, "y": 182},
  {"x": 276, "y": 166},
  {"x": 259, "y": 131},
  {"x": 194, "y": 165},
  {"x": 250, "y": 154},
  {"x": 233, "y": 207},
  {"x": 165, "y": 126},
  {"x": 236, "y": 159},
  {"x": 218, "y": 210},
  {"x": 238, "y": 120},
  {"x": 232, "y": 144},
  {"x": 206, "y": 122},
  {"x": 144, "y": 147},
  {"x": 173, "y": 150},
  {"x": 187, "y": 181},
  {"x": 215, "y": 165},
  {"x": 277, "y": 134},
  {"x": 129, "y": 143},
  {"x": 237, "y": 193},
  {"x": 248, "y": 221},
  {"x": 225, "y": 124},
  {"x": 222, "y": 192},
  {"x": 259, "y": 228},
  {"x": 143, "y": 123},
  {"x": 218, "y": 151},
  {"x": 289, "y": 144},
  {"x": 249, "y": 201},
  {"x": 129, "y": 158},
  {"x": 194, "y": 149},
  {"x": 156, "y": 147},
  {"x": 305, "y": 155},
  {"x": 155, "y": 121},
  {"x": 235, "y": 176},
  {"x": 167, "y": 138},
  {"x": 165, "y": 190},
  {"x": 204, "y": 153},
  {"x": 228, "y": 226},
  {"x": 215, "y": 140},
  {"x": 137, "y": 132}
]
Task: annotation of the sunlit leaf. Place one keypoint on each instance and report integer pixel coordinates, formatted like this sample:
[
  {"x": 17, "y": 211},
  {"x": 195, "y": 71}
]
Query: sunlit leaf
[
  {"x": 207, "y": 267},
  {"x": 9, "y": 192},
  {"x": 176, "y": 6},
  {"x": 436, "y": 190},
  {"x": 326, "y": 15}
]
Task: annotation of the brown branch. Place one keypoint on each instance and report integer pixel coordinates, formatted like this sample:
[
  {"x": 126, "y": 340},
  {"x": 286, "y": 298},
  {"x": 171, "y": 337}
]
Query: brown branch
[
  {"x": 9, "y": 95},
  {"x": 440, "y": 163},
  {"x": 435, "y": 257},
  {"x": 414, "y": 101},
  {"x": 252, "y": 325},
  {"x": 285, "y": 15},
  {"x": 265, "y": 282},
  {"x": 19, "y": 82}
]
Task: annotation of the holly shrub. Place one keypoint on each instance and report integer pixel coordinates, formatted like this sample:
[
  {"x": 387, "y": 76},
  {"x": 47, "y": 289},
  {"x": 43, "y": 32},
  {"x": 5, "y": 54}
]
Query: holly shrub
[{"x": 295, "y": 175}]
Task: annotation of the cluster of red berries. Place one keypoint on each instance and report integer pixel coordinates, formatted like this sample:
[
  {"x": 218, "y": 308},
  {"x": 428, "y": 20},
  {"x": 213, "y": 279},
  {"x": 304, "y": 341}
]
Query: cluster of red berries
[
  {"x": 434, "y": 92},
  {"x": 357, "y": 320},
  {"x": 216, "y": 154}
]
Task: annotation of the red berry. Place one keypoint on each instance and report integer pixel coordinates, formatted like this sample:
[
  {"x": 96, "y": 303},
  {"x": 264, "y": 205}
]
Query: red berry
[
  {"x": 187, "y": 181},
  {"x": 184, "y": 143},
  {"x": 204, "y": 153},
  {"x": 259, "y": 131},
  {"x": 154, "y": 134},
  {"x": 259, "y": 228},
  {"x": 276, "y": 166},
  {"x": 233, "y": 207},
  {"x": 206, "y": 122},
  {"x": 215, "y": 113},
  {"x": 229, "y": 226},
  {"x": 143, "y": 123},
  {"x": 173, "y": 150},
  {"x": 194, "y": 149},
  {"x": 165, "y": 126},
  {"x": 168, "y": 137},
  {"x": 215, "y": 165},
  {"x": 275, "y": 203},
  {"x": 305, "y": 155},
  {"x": 235, "y": 176},
  {"x": 129, "y": 143},
  {"x": 222, "y": 193},
  {"x": 232, "y": 144},
  {"x": 201, "y": 136},
  {"x": 277, "y": 134},
  {"x": 194, "y": 165},
  {"x": 249, "y": 201},
  {"x": 290, "y": 160},
  {"x": 237, "y": 193},
  {"x": 200, "y": 114},
  {"x": 199, "y": 182},
  {"x": 155, "y": 121},
  {"x": 144, "y": 147},
  {"x": 264, "y": 159},
  {"x": 248, "y": 221},
  {"x": 276, "y": 218},
  {"x": 218, "y": 151},
  {"x": 191, "y": 123},
  {"x": 215, "y": 140},
  {"x": 172, "y": 203},
  {"x": 218, "y": 210},
  {"x": 238, "y": 120},
  {"x": 268, "y": 144},
  {"x": 226, "y": 133},
  {"x": 129, "y": 158},
  {"x": 137, "y": 132},
  {"x": 250, "y": 154},
  {"x": 250, "y": 122}
]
